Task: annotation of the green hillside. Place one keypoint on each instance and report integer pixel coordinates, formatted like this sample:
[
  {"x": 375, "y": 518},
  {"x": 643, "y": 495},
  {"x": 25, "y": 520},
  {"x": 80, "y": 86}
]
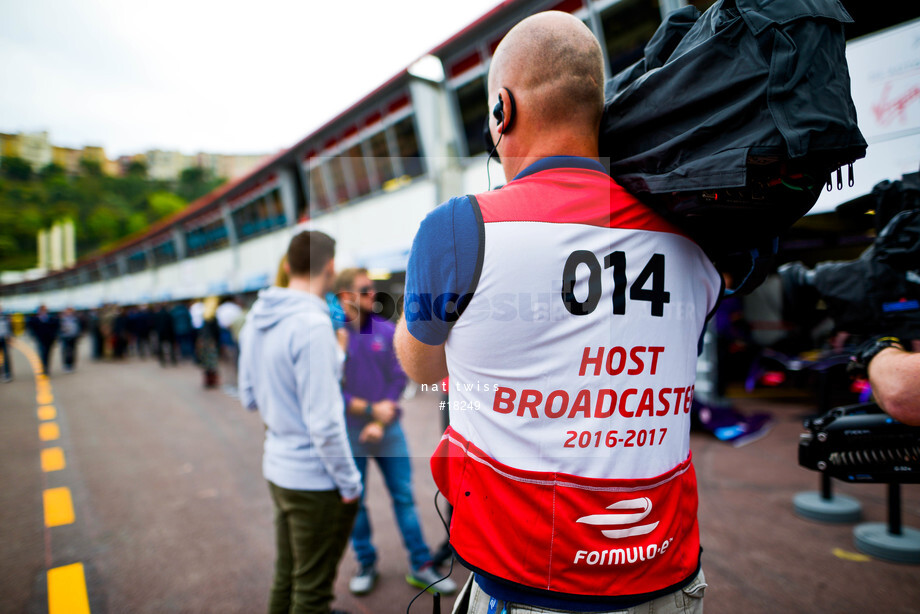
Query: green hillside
[{"x": 104, "y": 209}]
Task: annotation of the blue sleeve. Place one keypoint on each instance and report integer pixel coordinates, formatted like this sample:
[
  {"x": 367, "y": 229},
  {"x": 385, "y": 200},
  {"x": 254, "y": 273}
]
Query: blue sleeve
[
  {"x": 443, "y": 269},
  {"x": 335, "y": 311}
]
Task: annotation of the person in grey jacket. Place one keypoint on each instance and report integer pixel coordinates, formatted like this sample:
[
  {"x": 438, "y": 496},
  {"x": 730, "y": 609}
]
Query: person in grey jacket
[{"x": 289, "y": 369}]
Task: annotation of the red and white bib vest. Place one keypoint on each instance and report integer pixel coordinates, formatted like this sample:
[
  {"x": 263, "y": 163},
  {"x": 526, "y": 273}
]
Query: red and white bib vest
[{"x": 571, "y": 378}]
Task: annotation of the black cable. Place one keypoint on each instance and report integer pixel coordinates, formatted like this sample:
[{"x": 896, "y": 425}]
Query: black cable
[
  {"x": 450, "y": 569},
  {"x": 438, "y": 509},
  {"x": 488, "y": 172}
]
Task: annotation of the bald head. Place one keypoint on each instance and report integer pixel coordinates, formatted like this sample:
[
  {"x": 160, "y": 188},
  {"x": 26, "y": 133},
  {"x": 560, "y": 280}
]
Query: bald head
[{"x": 553, "y": 64}]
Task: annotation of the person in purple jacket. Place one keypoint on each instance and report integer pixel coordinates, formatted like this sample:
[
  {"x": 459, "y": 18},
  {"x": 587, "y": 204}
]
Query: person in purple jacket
[{"x": 372, "y": 384}]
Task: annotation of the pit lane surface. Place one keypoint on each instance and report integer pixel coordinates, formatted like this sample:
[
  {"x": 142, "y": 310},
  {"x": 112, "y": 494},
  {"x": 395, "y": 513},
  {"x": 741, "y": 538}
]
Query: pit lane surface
[{"x": 171, "y": 513}]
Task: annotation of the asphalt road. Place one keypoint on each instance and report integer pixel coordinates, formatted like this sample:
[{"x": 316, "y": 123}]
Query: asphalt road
[{"x": 171, "y": 513}]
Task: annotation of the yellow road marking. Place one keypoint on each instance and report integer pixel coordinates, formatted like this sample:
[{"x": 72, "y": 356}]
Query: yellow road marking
[
  {"x": 58, "y": 507},
  {"x": 53, "y": 459},
  {"x": 67, "y": 590},
  {"x": 48, "y": 431},
  {"x": 47, "y": 412},
  {"x": 851, "y": 556},
  {"x": 44, "y": 398}
]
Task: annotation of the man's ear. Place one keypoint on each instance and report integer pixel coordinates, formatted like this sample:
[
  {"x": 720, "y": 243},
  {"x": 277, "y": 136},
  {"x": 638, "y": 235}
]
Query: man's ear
[{"x": 287, "y": 267}]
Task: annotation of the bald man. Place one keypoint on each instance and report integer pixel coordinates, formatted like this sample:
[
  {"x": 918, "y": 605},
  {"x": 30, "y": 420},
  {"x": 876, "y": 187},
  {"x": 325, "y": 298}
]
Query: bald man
[{"x": 568, "y": 317}]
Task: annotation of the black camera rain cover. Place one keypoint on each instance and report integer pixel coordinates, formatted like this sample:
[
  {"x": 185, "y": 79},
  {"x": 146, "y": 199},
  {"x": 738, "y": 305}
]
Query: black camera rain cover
[
  {"x": 745, "y": 77},
  {"x": 718, "y": 96}
]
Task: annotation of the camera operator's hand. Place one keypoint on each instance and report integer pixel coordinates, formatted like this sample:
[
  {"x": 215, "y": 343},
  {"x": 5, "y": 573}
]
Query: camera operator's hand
[
  {"x": 859, "y": 361},
  {"x": 894, "y": 375}
]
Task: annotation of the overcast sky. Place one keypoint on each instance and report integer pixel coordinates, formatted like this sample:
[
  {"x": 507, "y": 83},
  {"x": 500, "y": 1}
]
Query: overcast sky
[{"x": 205, "y": 75}]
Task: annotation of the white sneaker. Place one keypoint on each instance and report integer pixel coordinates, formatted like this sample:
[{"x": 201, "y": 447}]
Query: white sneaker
[
  {"x": 363, "y": 581},
  {"x": 429, "y": 578}
]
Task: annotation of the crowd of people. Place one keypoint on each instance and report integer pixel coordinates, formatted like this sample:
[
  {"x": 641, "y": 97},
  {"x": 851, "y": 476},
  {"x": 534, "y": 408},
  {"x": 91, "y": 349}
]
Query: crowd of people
[{"x": 203, "y": 331}]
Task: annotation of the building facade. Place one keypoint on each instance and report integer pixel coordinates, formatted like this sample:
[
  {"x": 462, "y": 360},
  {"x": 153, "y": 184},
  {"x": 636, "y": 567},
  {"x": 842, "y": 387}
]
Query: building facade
[{"x": 371, "y": 174}]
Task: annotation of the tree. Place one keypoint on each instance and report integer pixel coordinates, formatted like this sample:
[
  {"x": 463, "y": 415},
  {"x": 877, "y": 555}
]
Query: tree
[
  {"x": 15, "y": 168},
  {"x": 104, "y": 208},
  {"x": 8, "y": 247},
  {"x": 103, "y": 225},
  {"x": 136, "y": 223},
  {"x": 137, "y": 168},
  {"x": 192, "y": 175},
  {"x": 163, "y": 204},
  {"x": 195, "y": 182},
  {"x": 51, "y": 170},
  {"x": 90, "y": 167}
]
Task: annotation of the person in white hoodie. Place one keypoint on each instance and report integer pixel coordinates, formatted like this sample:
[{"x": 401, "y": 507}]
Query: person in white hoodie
[{"x": 289, "y": 369}]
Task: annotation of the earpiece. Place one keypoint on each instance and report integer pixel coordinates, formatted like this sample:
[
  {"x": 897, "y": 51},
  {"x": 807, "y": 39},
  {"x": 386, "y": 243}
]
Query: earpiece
[
  {"x": 504, "y": 122},
  {"x": 498, "y": 112}
]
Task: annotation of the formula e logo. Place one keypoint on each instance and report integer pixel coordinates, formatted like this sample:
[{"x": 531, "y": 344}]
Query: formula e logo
[{"x": 629, "y": 512}]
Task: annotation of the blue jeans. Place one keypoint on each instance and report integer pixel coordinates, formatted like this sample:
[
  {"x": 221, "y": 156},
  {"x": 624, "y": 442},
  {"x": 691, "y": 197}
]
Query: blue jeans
[{"x": 392, "y": 456}]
